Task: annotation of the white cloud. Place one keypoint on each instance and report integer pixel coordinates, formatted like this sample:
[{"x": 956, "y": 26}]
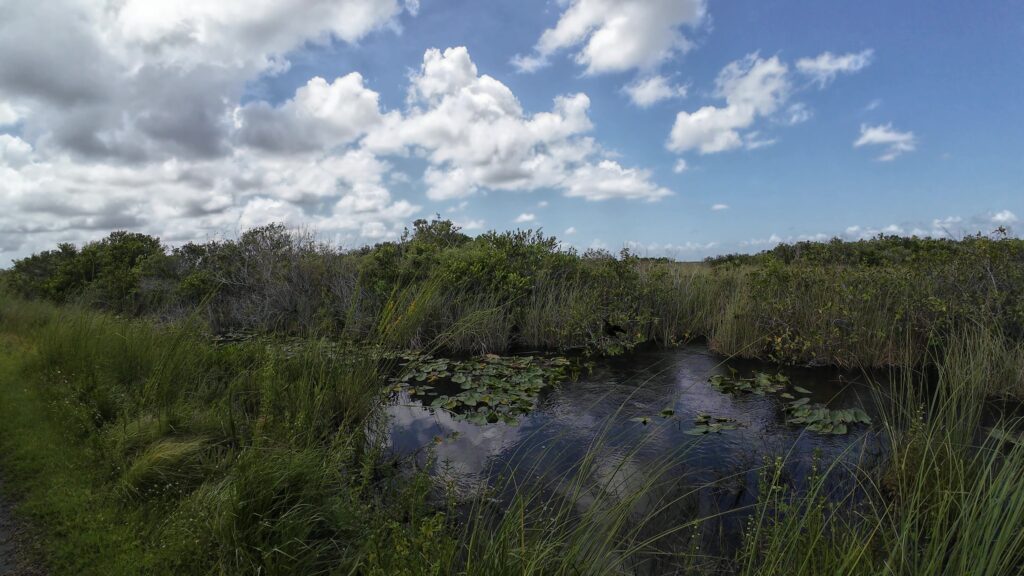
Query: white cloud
[
  {"x": 1004, "y": 217},
  {"x": 156, "y": 79},
  {"x": 233, "y": 32},
  {"x": 542, "y": 204},
  {"x": 797, "y": 113},
  {"x": 570, "y": 230},
  {"x": 139, "y": 129},
  {"x": 946, "y": 223},
  {"x": 470, "y": 225},
  {"x": 607, "y": 179},
  {"x": 873, "y": 105},
  {"x": 475, "y": 135},
  {"x": 617, "y": 35},
  {"x": 948, "y": 227},
  {"x": 652, "y": 249},
  {"x": 824, "y": 68},
  {"x": 719, "y": 207},
  {"x": 680, "y": 166},
  {"x": 751, "y": 87},
  {"x": 649, "y": 91},
  {"x": 14, "y": 152},
  {"x": 8, "y": 115},
  {"x": 753, "y": 141},
  {"x": 895, "y": 142},
  {"x": 321, "y": 115},
  {"x": 866, "y": 233},
  {"x": 776, "y": 239},
  {"x": 525, "y": 217},
  {"x": 193, "y": 162}
]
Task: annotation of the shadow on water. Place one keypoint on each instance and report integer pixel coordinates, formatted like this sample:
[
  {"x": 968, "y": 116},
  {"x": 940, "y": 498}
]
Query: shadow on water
[{"x": 630, "y": 417}]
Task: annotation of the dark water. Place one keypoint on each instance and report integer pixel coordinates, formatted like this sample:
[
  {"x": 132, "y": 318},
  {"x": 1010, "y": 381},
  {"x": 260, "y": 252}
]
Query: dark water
[{"x": 719, "y": 471}]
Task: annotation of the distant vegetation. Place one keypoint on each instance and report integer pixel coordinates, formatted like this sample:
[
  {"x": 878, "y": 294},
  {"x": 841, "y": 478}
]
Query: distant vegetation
[
  {"x": 878, "y": 302},
  {"x": 215, "y": 408}
]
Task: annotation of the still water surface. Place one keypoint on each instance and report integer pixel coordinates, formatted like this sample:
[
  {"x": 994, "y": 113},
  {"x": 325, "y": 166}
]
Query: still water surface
[{"x": 599, "y": 412}]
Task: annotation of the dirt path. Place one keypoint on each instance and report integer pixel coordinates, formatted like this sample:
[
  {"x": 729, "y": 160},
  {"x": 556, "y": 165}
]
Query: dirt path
[{"x": 14, "y": 561}]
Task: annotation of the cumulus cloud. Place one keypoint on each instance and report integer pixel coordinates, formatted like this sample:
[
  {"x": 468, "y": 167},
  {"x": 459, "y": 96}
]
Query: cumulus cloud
[
  {"x": 14, "y": 152},
  {"x": 321, "y": 115},
  {"x": 751, "y": 87},
  {"x": 774, "y": 239},
  {"x": 195, "y": 161},
  {"x": 893, "y": 141},
  {"x": 946, "y": 227},
  {"x": 607, "y": 179},
  {"x": 1004, "y": 217},
  {"x": 617, "y": 35},
  {"x": 152, "y": 79},
  {"x": 475, "y": 135},
  {"x": 680, "y": 166},
  {"x": 8, "y": 115},
  {"x": 143, "y": 128},
  {"x": 570, "y": 230},
  {"x": 647, "y": 92},
  {"x": 470, "y": 225},
  {"x": 824, "y": 68},
  {"x": 719, "y": 207},
  {"x": 689, "y": 249}
]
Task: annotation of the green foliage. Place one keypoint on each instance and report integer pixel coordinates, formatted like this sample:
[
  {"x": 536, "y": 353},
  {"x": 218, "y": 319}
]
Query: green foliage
[
  {"x": 760, "y": 383},
  {"x": 146, "y": 448},
  {"x": 705, "y": 423},
  {"x": 491, "y": 388},
  {"x": 108, "y": 272},
  {"x": 883, "y": 302}
]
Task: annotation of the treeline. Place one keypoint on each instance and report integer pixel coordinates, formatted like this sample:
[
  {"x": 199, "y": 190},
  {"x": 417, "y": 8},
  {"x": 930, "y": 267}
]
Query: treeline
[
  {"x": 848, "y": 303},
  {"x": 882, "y": 250}
]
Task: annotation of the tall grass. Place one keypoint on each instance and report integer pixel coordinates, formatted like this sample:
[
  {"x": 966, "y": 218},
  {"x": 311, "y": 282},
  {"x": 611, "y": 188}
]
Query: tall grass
[{"x": 258, "y": 458}]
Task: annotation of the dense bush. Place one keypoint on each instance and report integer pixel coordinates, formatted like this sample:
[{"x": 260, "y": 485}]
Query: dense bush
[{"x": 848, "y": 303}]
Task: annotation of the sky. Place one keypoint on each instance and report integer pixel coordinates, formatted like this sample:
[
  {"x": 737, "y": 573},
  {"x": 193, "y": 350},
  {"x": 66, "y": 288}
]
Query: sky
[{"x": 680, "y": 128}]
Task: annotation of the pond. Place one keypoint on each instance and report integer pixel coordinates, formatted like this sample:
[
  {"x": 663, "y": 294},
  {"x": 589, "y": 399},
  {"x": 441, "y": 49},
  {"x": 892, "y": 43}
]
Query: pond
[{"x": 677, "y": 412}]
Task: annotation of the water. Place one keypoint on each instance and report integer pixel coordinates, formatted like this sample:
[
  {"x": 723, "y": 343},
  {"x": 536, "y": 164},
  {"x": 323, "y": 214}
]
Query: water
[{"x": 717, "y": 472}]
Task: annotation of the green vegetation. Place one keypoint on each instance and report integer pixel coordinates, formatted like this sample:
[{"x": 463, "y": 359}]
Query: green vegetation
[
  {"x": 707, "y": 424},
  {"x": 490, "y": 388},
  {"x": 882, "y": 302},
  {"x": 216, "y": 408}
]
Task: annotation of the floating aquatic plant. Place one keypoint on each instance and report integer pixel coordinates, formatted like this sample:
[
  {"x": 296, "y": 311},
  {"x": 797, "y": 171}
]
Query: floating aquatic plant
[
  {"x": 491, "y": 388},
  {"x": 799, "y": 411},
  {"x": 760, "y": 383},
  {"x": 823, "y": 420},
  {"x": 707, "y": 424}
]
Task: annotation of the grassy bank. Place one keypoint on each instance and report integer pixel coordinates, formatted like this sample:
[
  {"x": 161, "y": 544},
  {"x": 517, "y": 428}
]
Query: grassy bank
[{"x": 146, "y": 448}]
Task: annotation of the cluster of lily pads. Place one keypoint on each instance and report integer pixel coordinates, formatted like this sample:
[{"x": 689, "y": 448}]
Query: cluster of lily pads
[
  {"x": 484, "y": 389},
  {"x": 705, "y": 423},
  {"x": 760, "y": 383},
  {"x": 799, "y": 411},
  {"x": 818, "y": 418}
]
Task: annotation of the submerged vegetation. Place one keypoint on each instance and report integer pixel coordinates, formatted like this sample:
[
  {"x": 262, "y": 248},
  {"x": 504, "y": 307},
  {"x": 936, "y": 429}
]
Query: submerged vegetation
[{"x": 216, "y": 408}]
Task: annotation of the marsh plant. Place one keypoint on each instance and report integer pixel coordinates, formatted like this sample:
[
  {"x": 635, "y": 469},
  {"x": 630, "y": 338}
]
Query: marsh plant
[{"x": 218, "y": 408}]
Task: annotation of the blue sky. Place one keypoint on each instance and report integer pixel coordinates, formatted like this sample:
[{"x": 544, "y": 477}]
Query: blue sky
[{"x": 194, "y": 122}]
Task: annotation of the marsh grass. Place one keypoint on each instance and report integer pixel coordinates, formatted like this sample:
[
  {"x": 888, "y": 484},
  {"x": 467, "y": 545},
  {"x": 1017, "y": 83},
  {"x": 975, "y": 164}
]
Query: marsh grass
[{"x": 146, "y": 448}]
